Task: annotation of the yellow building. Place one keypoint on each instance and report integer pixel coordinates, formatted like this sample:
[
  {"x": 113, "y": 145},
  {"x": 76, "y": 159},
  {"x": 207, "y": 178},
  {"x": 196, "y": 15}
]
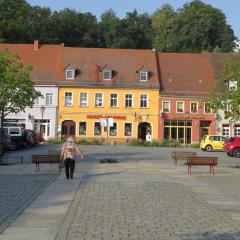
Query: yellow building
[{"x": 109, "y": 94}]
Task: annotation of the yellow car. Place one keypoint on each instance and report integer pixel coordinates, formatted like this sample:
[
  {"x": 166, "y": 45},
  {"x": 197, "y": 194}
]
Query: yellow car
[{"x": 212, "y": 142}]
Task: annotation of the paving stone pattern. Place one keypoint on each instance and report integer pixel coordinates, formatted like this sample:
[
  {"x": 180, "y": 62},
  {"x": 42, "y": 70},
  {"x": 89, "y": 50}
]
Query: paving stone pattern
[
  {"x": 17, "y": 192},
  {"x": 143, "y": 211}
]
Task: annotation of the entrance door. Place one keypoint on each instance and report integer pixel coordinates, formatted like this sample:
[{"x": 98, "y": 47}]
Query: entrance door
[
  {"x": 144, "y": 131},
  {"x": 68, "y": 129}
]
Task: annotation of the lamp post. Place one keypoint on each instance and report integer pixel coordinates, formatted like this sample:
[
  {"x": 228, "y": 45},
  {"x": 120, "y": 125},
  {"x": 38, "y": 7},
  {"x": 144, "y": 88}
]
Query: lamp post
[
  {"x": 42, "y": 108},
  {"x": 185, "y": 127}
]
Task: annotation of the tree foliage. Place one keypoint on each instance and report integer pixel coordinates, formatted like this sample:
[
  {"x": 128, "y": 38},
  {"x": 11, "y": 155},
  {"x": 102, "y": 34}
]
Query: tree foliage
[
  {"x": 17, "y": 91},
  {"x": 224, "y": 97},
  {"x": 193, "y": 28}
]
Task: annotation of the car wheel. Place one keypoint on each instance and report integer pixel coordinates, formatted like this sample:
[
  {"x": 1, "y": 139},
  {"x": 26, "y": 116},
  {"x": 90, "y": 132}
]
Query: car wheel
[
  {"x": 208, "y": 148},
  {"x": 236, "y": 152},
  {"x": 229, "y": 154}
]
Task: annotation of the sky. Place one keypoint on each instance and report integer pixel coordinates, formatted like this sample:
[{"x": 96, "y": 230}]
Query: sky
[{"x": 231, "y": 8}]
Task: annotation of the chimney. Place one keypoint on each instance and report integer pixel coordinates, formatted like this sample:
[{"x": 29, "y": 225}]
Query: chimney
[{"x": 35, "y": 45}]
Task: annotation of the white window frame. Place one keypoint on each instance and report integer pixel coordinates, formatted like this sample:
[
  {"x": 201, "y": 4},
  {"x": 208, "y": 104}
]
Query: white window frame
[
  {"x": 125, "y": 129},
  {"x": 205, "y": 109},
  {"x": 110, "y": 74},
  {"x": 237, "y": 130},
  {"x": 140, "y": 99},
  {"x": 191, "y": 107},
  {"x": 226, "y": 128},
  {"x": 65, "y": 98},
  {"x": 72, "y": 74},
  {"x": 95, "y": 99},
  {"x": 126, "y": 99},
  {"x": 143, "y": 74},
  {"x": 79, "y": 128},
  {"x": 163, "y": 106},
  {"x": 47, "y": 98},
  {"x": 110, "y": 98},
  {"x": 80, "y": 99},
  {"x": 183, "y": 104}
]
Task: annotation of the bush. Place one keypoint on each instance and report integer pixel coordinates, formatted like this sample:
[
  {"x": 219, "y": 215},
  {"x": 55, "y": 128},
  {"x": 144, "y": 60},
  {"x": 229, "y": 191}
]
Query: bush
[
  {"x": 89, "y": 142},
  {"x": 135, "y": 142},
  {"x": 169, "y": 143}
]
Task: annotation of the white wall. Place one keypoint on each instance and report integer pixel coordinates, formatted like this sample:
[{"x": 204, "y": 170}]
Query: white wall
[{"x": 50, "y": 112}]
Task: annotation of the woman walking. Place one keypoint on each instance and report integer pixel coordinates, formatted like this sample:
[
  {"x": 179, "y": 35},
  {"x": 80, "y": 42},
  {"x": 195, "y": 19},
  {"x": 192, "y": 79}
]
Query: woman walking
[{"x": 69, "y": 151}]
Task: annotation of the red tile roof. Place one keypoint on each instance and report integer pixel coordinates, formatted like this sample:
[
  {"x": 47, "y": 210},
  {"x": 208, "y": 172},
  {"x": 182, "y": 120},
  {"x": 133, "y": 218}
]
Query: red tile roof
[
  {"x": 124, "y": 63},
  {"x": 46, "y": 61},
  {"x": 185, "y": 74}
]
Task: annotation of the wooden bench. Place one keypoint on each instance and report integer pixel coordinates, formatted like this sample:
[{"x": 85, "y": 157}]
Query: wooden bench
[
  {"x": 37, "y": 159},
  {"x": 197, "y": 160},
  {"x": 54, "y": 152},
  {"x": 180, "y": 155}
]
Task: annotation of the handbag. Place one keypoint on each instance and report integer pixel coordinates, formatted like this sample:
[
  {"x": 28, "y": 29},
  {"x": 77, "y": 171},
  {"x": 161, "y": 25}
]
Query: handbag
[{"x": 61, "y": 164}]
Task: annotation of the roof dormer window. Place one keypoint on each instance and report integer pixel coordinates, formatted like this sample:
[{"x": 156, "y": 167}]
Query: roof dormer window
[
  {"x": 232, "y": 85},
  {"x": 107, "y": 74},
  {"x": 70, "y": 74},
  {"x": 143, "y": 75}
]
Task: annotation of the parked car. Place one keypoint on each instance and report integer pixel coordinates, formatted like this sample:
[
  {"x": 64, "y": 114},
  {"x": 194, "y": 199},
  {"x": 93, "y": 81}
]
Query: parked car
[
  {"x": 29, "y": 137},
  {"x": 212, "y": 142},
  {"x": 16, "y": 134},
  {"x": 232, "y": 146},
  {"x": 7, "y": 142}
]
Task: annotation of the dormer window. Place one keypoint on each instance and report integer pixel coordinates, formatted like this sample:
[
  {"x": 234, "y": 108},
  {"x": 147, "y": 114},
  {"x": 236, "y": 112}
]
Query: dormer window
[
  {"x": 70, "y": 74},
  {"x": 143, "y": 75},
  {"x": 232, "y": 85},
  {"x": 107, "y": 74}
]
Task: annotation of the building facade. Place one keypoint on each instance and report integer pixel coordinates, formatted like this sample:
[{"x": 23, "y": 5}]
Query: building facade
[{"x": 109, "y": 94}]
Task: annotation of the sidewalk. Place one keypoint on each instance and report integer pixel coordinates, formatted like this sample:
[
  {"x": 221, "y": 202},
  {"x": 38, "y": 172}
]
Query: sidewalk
[{"x": 131, "y": 200}]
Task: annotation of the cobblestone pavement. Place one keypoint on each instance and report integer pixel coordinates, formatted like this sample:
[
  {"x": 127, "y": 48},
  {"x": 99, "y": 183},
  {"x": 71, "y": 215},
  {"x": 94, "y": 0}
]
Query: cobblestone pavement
[
  {"x": 143, "y": 211},
  {"x": 17, "y": 192}
]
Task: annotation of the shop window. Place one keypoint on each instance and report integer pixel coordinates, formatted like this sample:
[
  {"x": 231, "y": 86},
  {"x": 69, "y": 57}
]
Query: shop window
[
  {"x": 180, "y": 107},
  {"x": 128, "y": 129},
  {"x": 113, "y": 130},
  {"x": 113, "y": 100},
  {"x": 166, "y": 107},
  {"x": 82, "y": 128},
  {"x": 128, "y": 100},
  {"x": 194, "y": 107},
  {"x": 97, "y": 128}
]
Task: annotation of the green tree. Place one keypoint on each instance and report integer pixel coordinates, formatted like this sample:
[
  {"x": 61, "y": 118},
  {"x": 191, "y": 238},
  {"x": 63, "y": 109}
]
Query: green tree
[
  {"x": 14, "y": 20},
  {"x": 134, "y": 31},
  {"x": 162, "y": 23},
  {"x": 199, "y": 26},
  {"x": 223, "y": 96},
  {"x": 17, "y": 91},
  {"x": 108, "y": 29},
  {"x": 73, "y": 28}
]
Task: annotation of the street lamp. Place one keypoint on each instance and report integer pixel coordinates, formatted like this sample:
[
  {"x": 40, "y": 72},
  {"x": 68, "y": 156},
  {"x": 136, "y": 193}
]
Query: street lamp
[{"x": 42, "y": 108}]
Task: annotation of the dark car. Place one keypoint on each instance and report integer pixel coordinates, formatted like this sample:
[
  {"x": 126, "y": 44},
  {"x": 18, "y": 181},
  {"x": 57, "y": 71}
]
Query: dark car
[
  {"x": 232, "y": 146},
  {"x": 7, "y": 143},
  {"x": 29, "y": 137}
]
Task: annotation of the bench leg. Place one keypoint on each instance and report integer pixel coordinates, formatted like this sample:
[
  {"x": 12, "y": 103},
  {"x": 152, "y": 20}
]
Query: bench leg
[
  {"x": 37, "y": 166},
  {"x": 175, "y": 161},
  {"x": 210, "y": 168},
  {"x": 189, "y": 169}
]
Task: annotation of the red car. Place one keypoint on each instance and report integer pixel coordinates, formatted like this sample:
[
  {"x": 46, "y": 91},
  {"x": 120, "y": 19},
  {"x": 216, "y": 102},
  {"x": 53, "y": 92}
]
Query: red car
[
  {"x": 40, "y": 137},
  {"x": 232, "y": 146}
]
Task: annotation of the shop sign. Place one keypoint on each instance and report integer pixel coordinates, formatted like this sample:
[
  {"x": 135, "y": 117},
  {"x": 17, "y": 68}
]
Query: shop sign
[{"x": 98, "y": 116}]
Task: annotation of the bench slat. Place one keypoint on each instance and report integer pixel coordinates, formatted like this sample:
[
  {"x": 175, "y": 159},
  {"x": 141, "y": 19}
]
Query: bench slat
[
  {"x": 181, "y": 155},
  {"x": 37, "y": 159}
]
